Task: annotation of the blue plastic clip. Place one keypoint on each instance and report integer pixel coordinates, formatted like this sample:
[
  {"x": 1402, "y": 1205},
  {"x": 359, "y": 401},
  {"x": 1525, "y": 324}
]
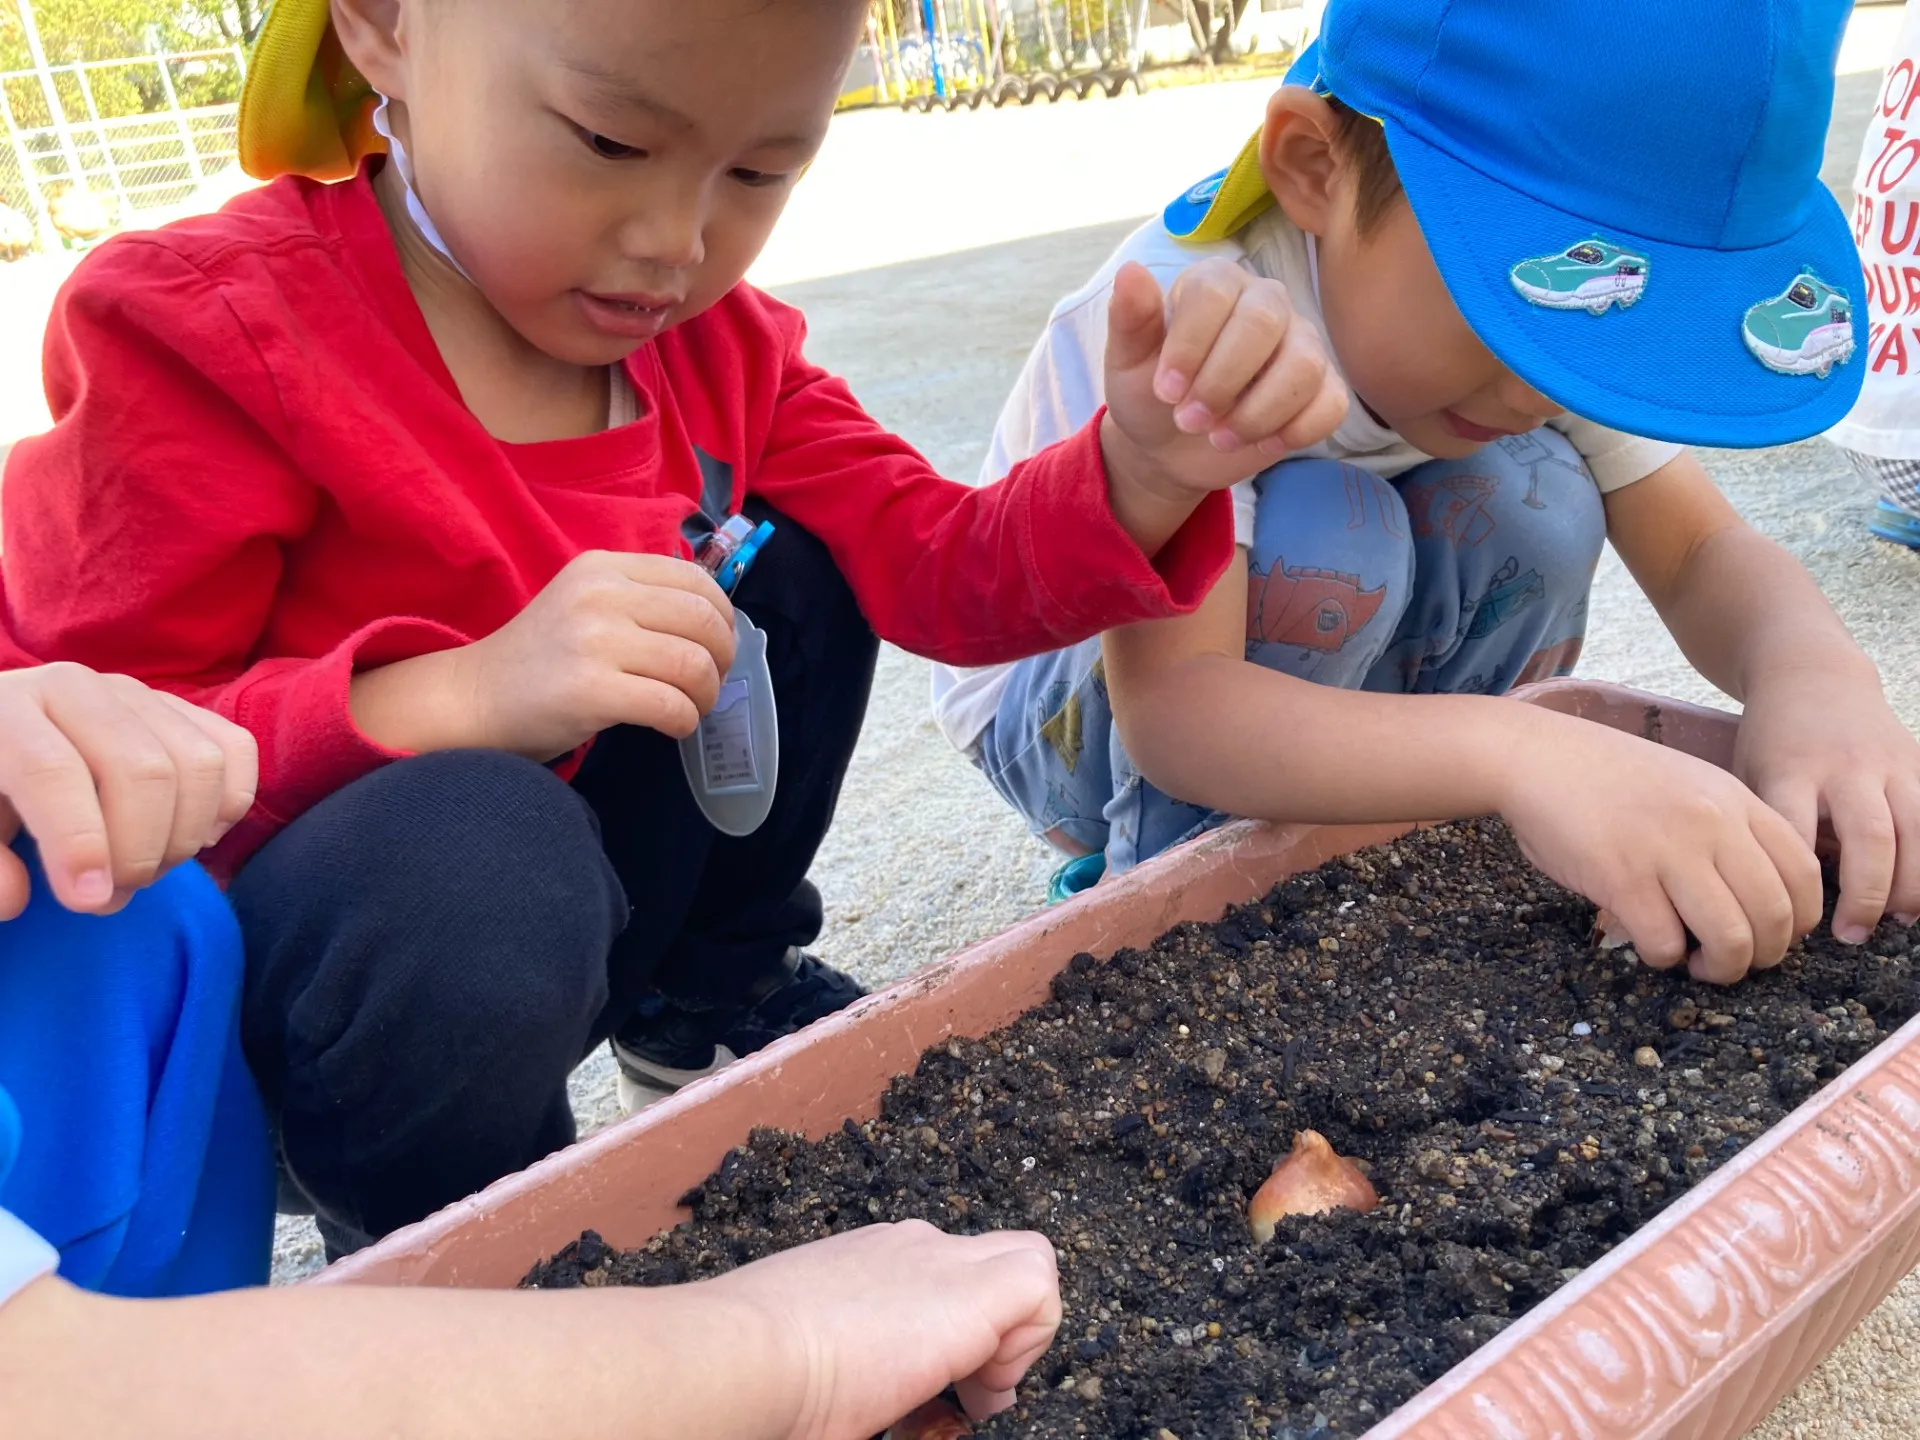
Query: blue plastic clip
[
  {"x": 730, "y": 551},
  {"x": 738, "y": 563}
]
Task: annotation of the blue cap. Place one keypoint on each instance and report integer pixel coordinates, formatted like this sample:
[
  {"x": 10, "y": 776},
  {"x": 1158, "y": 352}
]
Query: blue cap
[{"x": 1624, "y": 199}]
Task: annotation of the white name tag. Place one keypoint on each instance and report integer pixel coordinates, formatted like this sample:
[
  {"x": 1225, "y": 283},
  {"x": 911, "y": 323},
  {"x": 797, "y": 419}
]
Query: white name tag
[{"x": 726, "y": 742}]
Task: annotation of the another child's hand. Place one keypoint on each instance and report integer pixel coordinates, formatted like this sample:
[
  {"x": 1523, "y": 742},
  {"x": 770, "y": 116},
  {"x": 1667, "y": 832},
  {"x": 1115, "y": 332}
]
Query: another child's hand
[
  {"x": 1828, "y": 748},
  {"x": 1667, "y": 843},
  {"x": 874, "y": 1322},
  {"x": 1213, "y": 383},
  {"x": 116, "y": 784},
  {"x": 614, "y": 639}
]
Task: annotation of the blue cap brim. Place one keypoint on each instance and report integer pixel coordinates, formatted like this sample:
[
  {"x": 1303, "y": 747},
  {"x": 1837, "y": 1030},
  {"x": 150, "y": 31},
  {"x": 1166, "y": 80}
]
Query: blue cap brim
[
  {"x": 1672, "y": 366},
  {"x": 1305, "y": 70}
]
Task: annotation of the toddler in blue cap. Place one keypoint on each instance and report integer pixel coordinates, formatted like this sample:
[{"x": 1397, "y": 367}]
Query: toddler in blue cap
[{"x": 1543, "y": 266}]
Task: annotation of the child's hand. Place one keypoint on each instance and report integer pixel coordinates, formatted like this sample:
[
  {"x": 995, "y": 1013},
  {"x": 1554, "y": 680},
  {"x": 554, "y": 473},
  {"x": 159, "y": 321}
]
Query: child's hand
[
  {"x": 1828, "y": 748},
  {"x": 1663, "y": 841},
  {"x": 116, "y": 783},
  {"x": 1213, "y": 384},
  {"x": 876, "y": 1321},
  {"x": 612, "y": 640}
]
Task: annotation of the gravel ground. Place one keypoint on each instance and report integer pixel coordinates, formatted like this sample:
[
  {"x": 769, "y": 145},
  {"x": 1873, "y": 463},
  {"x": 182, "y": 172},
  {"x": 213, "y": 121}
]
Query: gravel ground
[{"x": 924, "y": 858}]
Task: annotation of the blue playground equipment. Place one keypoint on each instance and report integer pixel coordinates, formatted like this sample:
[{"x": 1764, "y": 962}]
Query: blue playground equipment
[{"x": 926, "y": 55}]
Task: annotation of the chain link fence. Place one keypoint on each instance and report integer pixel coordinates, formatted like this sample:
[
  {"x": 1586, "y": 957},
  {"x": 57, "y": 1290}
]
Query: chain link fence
[{"x": 113, "y": 114}]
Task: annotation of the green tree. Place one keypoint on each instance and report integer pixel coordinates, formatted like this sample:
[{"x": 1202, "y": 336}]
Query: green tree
[{"x": 84, "y": 30}]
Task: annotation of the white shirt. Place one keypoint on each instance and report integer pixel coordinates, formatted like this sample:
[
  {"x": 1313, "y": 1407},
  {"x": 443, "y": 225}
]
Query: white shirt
[
  {"x": 1063, "y": 386},
  {"x": 1885, "y": 421}
]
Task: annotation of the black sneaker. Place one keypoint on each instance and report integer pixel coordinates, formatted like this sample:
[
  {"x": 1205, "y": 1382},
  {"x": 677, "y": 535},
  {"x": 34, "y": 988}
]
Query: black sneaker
[{"x": 670, "y": 1043}]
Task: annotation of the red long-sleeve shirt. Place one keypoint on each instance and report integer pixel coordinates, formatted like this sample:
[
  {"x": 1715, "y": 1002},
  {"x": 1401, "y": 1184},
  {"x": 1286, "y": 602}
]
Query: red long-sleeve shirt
[{"x": 262, "y": 479}]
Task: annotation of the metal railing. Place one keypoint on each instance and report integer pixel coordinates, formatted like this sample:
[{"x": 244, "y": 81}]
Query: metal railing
[
  {"x": 961, "y": 54},
  {"x": 77, "y": 169}
]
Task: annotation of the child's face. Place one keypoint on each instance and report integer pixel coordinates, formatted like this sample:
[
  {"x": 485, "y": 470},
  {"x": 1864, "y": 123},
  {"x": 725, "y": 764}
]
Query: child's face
[
  {"x": 1406, "y": 350},
  {"x": 606, "y": 169}
]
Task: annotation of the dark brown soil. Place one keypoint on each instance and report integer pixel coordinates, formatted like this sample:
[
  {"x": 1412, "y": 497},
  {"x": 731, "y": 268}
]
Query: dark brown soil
[{"x": 1437, "y": 1010}]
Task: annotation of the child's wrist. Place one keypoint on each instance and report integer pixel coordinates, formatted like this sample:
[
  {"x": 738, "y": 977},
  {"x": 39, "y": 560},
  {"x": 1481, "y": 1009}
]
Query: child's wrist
[
  {"x": 416, "y": 706},
  {"x": 1132, "y": 465},
  {"x": 1150, "y": 504},
  {"x": 1837, "y": 675},
  {"x": 769, "y": 1386},
  {"x": 1520, "y": 751}
]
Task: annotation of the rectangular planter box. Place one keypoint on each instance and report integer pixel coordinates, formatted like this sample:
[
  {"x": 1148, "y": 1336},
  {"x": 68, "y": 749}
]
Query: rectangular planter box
[{"x": 1695, "y": 1327}]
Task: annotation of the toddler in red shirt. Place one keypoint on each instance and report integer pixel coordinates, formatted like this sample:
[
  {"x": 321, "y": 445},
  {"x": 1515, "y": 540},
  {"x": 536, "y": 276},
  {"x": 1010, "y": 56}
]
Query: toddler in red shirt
[{"x": 400, "y": 461}]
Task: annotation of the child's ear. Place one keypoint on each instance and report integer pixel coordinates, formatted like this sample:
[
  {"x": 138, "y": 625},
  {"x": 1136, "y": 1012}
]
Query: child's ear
[
  {"x": 369, "y": 32},
  {"x": 1299, "y": 156}
]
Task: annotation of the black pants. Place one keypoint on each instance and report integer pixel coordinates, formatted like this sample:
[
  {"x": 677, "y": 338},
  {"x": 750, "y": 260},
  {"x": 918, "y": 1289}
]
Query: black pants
[{"x": 432, "y": 949}]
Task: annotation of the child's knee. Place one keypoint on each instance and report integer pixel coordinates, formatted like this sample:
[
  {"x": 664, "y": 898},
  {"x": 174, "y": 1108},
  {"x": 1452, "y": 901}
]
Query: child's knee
[
  {"x": 1569, "y": 550},
  {"x": 448, "y": 829},
  {"x": 798, "y": 578},
  {"x": 1548, "y": 497},
  {"x": 121, "y": 1030},
  {"x": 1298, "y": 500},
  {"x": 1332, "y": 561},
  {"x": 131, "y": 971},
  {"x": 1528, "y": 495},
  {"x": 426, "y": 886}
]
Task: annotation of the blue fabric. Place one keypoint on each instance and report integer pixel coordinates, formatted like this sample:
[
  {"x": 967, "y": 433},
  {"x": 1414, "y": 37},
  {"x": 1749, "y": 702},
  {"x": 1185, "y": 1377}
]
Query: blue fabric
[
  {"x": 1690, "y": 134},
  {"x": 1461, "y": 577},
  {"x": 143, "y": 1153}
]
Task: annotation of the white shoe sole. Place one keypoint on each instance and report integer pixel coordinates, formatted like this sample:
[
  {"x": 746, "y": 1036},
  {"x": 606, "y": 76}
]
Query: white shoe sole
[{"x": 640, "y": 1083}]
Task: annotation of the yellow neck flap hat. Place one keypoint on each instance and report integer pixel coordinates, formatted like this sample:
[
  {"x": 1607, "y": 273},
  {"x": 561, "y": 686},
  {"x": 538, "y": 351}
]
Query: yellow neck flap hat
[
  {"x": 304, "y": 110},
  {"x": 1225, "y": 202}
]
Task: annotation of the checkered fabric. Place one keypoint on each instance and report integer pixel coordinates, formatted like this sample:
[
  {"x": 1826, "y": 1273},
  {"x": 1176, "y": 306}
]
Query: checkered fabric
[{"x": 1899, "y": 480}]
